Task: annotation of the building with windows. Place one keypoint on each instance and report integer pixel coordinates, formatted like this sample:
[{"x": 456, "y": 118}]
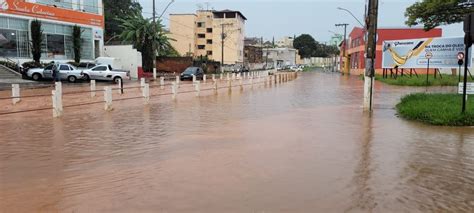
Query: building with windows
[
  {"x": 201, "y": 34},
  {"x": 355, "y": 51},
  {"x": 58, "y": 18},
  {"x": 285, "y": 42}
]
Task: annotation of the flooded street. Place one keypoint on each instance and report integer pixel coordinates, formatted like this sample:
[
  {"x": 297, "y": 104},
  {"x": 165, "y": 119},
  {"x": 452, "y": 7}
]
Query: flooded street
[{"x": 303, "y": 146}]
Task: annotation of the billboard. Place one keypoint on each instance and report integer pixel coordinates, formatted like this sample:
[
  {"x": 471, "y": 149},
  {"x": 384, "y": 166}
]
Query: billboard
[
  {"x": 443, "y": 53},
  {"x": 24, "y": 8}
]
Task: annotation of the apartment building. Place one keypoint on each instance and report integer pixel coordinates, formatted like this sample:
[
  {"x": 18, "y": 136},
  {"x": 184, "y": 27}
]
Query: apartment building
[
  {"x": 201, "y": 34},
  {"x": 58, "y": 18}
]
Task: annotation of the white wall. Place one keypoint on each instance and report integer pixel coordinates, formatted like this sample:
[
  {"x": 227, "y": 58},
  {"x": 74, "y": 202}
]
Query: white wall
[{"x": 127, "y": 56}]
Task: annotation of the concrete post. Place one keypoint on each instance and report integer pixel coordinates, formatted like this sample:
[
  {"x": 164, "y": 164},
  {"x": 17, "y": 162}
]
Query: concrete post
[
  {"x": 15, "y": 93},
  {"x": 146, "y": 94},
  {"x": 197, "y": 87},
  {"x": 213, "y": 77},
  {"x": 59, "y": 88},
  {"x": 194, "y": 79},
  {"x": 177, "y": 81},
  {"x": 215, "y": 87},
  {"x": 154, "y": 73},
  {"x": 93, "y": 88},
  {"x": 221, "y": 76},
  {"x": 228, "y": 76},
  {"x": 162, "y": 83},
  {"x": 204, "y": 78},
  {"x": 57, "y": 104},
  {"x": 108, "y": 98},
  {"x": 142, "y": 83},
  {"x": 174, "y": 90}
]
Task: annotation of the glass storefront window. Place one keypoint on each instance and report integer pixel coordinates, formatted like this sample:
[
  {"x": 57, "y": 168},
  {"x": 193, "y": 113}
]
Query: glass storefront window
[
  {"x": 55, "y": 46},
  {"x": 91, "y": 6},
  {"x": 63, "y": 3},
  {"x": 8, "y": 43}
]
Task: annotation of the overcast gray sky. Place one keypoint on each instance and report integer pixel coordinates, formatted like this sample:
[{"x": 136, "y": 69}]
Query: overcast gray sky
[{"x": 280, "y": 18}]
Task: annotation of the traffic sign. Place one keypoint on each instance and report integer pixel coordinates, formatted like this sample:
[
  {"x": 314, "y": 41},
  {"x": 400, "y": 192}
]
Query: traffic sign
[
  {"x": 428, "y": 55},
  {"x": 470, "y": 88},
  {"x": 461, "y": 56}
]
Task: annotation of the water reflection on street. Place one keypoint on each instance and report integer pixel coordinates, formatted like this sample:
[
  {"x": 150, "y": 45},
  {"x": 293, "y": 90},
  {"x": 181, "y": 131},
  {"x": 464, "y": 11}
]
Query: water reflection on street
[{"x": 303, "y": 146}]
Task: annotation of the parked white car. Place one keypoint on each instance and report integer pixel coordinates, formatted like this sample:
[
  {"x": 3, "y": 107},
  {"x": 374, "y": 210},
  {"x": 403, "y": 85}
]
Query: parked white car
[
  {"x": 105, "y": 72},
  {"x": 66, "y": 72},
  {"x": 296, "y": 69}
]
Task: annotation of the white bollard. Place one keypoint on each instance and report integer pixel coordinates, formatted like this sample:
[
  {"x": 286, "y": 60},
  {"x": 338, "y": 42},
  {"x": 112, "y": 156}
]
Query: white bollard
[
  {"x": 221, "y": 76},
  {"x": 142, "y": 83},
  {"x": 93, "y": 88},
  {"x": 197, "y": 87},
  {"x": 57, "y": 104},
  {"x": 59, "y": 88},
  {"x": 162, "y": 83},
  {"x": 154, "y": 73},
  {"x": 146, "y": 94},
  {"x": 108, "y": 98},
  {"x": 204, "y": 78},
  {"x": 177, "y": 81},
  {"x": 213, "y": 77},
  {"x": 15, "y": 93},
  {"x": 194, "y": 79},
  {"x": 174, "y": 90},
  {"x": 215, "y": 87},
  {"x": 228, "y": 76}
]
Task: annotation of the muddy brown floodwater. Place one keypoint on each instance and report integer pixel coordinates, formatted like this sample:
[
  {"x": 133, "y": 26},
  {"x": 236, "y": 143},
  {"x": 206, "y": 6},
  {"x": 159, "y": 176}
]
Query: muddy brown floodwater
[{"x": 304, "y": 146}]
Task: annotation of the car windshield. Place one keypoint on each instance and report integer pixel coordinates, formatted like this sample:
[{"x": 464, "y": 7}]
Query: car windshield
[{"x": 190, "y": 70}]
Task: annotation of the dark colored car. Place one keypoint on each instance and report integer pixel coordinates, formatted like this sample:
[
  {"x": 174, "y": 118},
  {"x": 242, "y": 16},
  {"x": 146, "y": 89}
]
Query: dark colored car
[{"x": 190, "y": 71}]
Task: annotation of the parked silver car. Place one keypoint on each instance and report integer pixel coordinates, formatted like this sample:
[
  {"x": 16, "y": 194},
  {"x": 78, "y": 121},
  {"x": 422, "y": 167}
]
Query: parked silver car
[
  {"x": 66, "y": 72},
  {"x": 105, "y": 72}
]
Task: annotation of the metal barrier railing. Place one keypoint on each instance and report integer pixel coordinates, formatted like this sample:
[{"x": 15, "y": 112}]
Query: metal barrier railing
[{"x": 231, "y": 81}]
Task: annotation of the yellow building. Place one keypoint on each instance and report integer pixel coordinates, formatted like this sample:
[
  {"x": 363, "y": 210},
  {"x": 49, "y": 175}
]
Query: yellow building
[{"x": 201, "y": 34}]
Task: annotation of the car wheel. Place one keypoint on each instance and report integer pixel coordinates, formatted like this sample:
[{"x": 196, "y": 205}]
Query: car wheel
[
  {"x": 117, "y": 80},
  {"x": 87, "y": 78},
  {"x": 72, "y": 79},
  {"x": 36, "y": 77}
]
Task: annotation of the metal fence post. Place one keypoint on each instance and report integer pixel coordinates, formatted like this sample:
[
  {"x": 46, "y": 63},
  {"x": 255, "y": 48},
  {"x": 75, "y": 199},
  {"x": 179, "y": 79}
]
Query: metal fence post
[
  {"x": 15, "y": 93},
  {"x": 108, "y": 98},
  {"x": 120, "y": 87},
  {"x": 93, "y": 88}
]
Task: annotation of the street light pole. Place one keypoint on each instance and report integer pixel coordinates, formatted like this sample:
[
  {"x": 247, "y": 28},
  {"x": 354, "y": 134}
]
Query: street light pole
[
  {"x": 371, "y": 54},
  {"x": 344, "y": 9},
  {"x": 345, "y": 45},
  {"x": 153, "y": 41}
]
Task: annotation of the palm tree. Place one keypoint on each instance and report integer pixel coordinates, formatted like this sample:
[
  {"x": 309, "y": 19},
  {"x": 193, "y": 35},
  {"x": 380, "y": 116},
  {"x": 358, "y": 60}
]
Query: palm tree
[{"x": 141, "y": 33}]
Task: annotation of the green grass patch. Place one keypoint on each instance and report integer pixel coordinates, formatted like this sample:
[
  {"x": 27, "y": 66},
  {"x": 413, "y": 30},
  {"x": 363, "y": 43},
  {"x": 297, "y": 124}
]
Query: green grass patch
[
  {"x": 447, "y": 80},
  {"x": 437, "y": 109},
  {"x": 309, "y": 69}
]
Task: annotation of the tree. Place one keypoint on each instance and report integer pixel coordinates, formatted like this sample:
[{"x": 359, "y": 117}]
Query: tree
[
  {"x": 114, "y": 9},
  {"x": 77, "y": 43},
  {"x": 36, "y": 40},
  {"x": 141, "y": 33},
  {"x": 433, "y": 13},
  {"x": 306, "y": 45}
]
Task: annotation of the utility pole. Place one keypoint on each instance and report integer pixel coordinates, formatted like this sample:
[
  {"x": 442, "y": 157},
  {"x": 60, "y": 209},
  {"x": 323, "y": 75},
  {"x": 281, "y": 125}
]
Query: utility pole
[
  {"x": 223, "y": 37},
  {"x": 345, "y": 45},
  {"x": 371, "y": 23},
  {"x": 153, "y": 41}
]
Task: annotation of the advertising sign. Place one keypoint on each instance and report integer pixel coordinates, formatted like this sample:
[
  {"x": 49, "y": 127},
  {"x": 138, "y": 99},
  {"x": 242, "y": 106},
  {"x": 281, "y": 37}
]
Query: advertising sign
[
  {"x": 21, "y": 7},
  {"x": 442, "y": 53},
  {"x": 470, "y": 88}
]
